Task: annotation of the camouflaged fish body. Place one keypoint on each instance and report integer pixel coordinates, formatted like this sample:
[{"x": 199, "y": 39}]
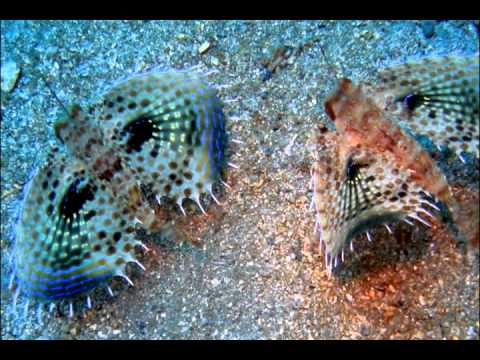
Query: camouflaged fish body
[
  {"x": 365, "y": 190},
  {"x": 370, "y": 171},
  {"x": 77, "y": 222}
]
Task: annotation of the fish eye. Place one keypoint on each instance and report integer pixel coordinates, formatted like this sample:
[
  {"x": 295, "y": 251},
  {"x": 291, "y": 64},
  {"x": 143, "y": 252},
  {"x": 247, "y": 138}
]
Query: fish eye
[{"x": 412, "y": 101}]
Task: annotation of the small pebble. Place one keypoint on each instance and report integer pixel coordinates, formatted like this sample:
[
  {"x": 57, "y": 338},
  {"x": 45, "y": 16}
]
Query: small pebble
[
  {"x": 10, "y": 72},
  {"x": 421, "y": 300},
  {"x": 471, "y": 332},
  {"x": 204, "y": 47},
  {"x": 297, "y": 300},
  {"x": 215, "y": 61},
  {"x": 364, "y": 330}
]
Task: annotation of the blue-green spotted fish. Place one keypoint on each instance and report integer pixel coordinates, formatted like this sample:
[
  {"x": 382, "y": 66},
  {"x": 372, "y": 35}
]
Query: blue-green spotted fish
[
  {"x": 164, "y": 131},
  {"x": 435, "y": 96}
]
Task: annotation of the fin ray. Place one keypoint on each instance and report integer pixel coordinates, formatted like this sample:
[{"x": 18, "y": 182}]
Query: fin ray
[{"x": 437, "y": 97}]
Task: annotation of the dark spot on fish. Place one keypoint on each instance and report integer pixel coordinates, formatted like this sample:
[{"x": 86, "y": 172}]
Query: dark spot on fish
[
  {"x": 74, "y": 199},
  {"x": 412, "y": 101},
  {"x": 189, "y": 139},
  {"x": 140, "y": 131},
  {"x": 89, "y": 215},
  {"x": 108, "y": 174},
  {"x": 353, "y": 168}
]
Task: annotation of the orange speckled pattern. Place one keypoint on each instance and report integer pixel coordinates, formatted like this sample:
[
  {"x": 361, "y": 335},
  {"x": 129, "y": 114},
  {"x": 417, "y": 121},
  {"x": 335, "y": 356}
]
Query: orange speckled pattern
[{"x": 372, "y": 172}]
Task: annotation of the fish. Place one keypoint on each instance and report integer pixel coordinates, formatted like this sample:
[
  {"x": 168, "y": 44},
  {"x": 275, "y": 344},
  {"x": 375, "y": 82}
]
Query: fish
[
  {"x": 371, "y": 171},
  {"x": 78, "y": 221},
  {"x": 434, "y": 96}
]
